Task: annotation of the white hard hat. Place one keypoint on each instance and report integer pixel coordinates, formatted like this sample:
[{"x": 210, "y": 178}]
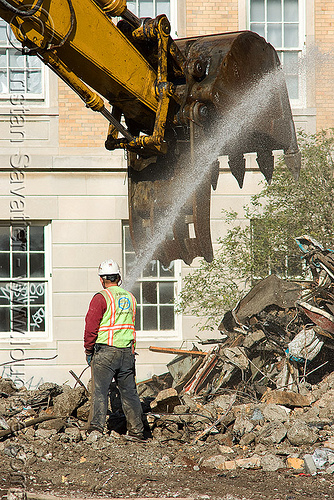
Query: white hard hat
[{"x": 108, "y": 267}]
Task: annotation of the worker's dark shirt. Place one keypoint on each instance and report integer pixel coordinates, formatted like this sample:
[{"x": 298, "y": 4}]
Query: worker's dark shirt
[{"x": 97, "y": 308}]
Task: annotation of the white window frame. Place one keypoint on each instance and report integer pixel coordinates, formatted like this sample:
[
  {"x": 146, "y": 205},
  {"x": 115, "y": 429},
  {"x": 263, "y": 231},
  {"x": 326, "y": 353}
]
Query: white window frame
[
  {"x": 25, "y": 95},
  {"x": 172, "y": 17},
  {"x": 174, "y": 334},
  {"x": 301, "y": 101},
  {"x": 35, "y": 336}
]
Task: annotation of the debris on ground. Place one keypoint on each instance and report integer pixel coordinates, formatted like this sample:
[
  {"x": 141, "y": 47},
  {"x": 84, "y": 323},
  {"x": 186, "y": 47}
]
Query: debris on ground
[{"x": 261, "y": 399}]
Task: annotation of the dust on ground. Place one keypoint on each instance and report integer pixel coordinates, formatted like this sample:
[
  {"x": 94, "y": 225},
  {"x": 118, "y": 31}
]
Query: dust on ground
[{"x": 110, "y": 466}]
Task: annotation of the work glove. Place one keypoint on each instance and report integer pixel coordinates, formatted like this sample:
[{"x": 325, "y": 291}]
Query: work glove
[{"x": 89, "y": 359}]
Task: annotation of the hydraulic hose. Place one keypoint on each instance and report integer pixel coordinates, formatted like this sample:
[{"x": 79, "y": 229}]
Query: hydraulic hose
[{"x": 22, "y": 13}]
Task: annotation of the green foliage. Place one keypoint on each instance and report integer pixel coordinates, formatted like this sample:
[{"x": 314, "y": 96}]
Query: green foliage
[{"x": 266, "y": 244}]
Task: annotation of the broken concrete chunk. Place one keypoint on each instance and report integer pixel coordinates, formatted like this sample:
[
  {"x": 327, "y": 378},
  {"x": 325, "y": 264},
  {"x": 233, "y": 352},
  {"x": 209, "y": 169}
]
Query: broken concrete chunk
[
  {"x": 57, "y": 423},
  {"x": 301, "y": 434},
  {"x": 272, "y": 433},
  {"x": 166, "y": 400},
  {"x": 83, "y": 411},
  {"x": 286, "y": 398},
  {"x": 181, "y": 409},
  {"x": 93, "y": 437},
  {"x": 65, "y": 404},
  {"x": 242, "y": 425},
  {"x": 225, "y": 449},
  {"x": 247, "y": 439},
  {"x": 252, "y": 462},
  {"x": 222, "y": 402},
  {"x": 326, "y": 401},
  {"x": 271, "y": 462},
  {"x": 309, "y": 465},
  {"x": 214, "y": 462},
  {"x": 73, "y": 434},
  {"x": 45, "y": 433},
  {"x": 273, "y": 412}
]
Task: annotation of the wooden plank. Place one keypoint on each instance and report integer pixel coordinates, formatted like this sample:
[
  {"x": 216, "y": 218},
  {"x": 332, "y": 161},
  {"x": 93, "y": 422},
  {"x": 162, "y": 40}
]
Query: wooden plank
[{"x": 170, "y": 350}]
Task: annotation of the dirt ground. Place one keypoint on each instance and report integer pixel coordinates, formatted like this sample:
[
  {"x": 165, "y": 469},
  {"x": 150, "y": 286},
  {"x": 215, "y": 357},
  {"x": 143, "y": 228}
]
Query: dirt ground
[{"x": 114, "y": 467}]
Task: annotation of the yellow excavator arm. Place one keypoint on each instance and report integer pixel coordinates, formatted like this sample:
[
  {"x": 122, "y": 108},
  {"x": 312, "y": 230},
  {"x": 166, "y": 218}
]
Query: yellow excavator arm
[{"x": 170, "y": 93}]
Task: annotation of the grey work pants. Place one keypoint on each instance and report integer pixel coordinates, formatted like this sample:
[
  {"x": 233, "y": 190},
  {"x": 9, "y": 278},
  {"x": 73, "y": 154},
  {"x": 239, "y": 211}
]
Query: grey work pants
[{"x": 114, "y": 362}]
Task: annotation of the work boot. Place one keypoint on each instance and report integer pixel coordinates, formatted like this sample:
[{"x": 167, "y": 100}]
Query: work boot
[
  {"x": 92, "y": 428},
  {"x": 136, "y": 438}
]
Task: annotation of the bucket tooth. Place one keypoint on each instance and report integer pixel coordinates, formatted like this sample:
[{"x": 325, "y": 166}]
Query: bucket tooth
[
  {"x": 265, "y": 161},
  {"x": 237, "y": 164},
  {"x": 181, "y": 234}
]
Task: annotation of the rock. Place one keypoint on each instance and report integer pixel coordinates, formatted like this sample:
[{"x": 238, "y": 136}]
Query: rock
[
  {"x": 242, "y": 425},
  {"x": 225, "y": 449},
  {"x": 222, "y": 402},
  {"x": 272, "y": 433},
  {"x": 247, "y": 439},
  {"x": 7, "y": 386},
  {"x": 286, "y": 398},
  {"x": 326, "y": 401},
  {"x": 56, "y": 423},
  {"x": 301, "y": 434},
  {"x": 309, "y": 465},
  {"x": 330, "y": 469},
  {"x": 230, "y": 465},
  {"x": 29, "y": 432},
  {"x": 45, "y": 433},
  {"x": 93, "y": 437},
  {"x": 73, "y": 434},
  {"x": 248, "y": 463},
  {"x": 83, "y": 411},
  {"x": 273, "y": 413},
  {"x": 295, "y": 463},
  {"x": 191, "y": 402},
  {"x": 166, "y": 400},
  {"x": 329, "y": 444},
  {"x": 224, "y": 439},
  {"x": 214, "y": 462},
  {"x": 65, "y": 404},
  {"x": 271, "y": 462},
  {"x": 330, "y": 457},
  {"x": 16, "y": 494},
  {"x": 181, "y": 409},
  {"x": 257, "y": 416}
]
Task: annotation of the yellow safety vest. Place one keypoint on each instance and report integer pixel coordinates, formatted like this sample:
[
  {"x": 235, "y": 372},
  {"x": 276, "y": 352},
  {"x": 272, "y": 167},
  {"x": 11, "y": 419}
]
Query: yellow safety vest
[{"x": 117, "y": 325}]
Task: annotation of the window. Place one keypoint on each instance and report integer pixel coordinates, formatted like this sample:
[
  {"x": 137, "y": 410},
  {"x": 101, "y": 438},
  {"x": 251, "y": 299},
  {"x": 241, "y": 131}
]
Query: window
[
  {"x": 279, "y": 22},
  {"x": 152, "y": 8},
  {"x": 19, "y": 73},
  {"x": 154, "y": 291},
  {"x": 24, "y": 281}
]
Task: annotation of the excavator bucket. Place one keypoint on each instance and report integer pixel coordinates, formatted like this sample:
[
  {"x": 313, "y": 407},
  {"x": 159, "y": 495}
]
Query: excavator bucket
[{"x": 221, "y": 72}]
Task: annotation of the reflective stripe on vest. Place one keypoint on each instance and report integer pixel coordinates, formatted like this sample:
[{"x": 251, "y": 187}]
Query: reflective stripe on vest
[{"x": 117, "y": 325}]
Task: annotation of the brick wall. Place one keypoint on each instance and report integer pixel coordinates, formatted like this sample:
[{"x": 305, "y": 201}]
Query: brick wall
[
  {"x": 324, "y": 62},
  {"x": 213, "y": 16},
  {"x": 78, "y": 125}
]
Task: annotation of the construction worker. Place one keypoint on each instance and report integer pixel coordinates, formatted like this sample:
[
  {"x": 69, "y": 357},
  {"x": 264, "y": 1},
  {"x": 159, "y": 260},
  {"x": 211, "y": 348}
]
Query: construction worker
[{"x": 109, "y": 342}]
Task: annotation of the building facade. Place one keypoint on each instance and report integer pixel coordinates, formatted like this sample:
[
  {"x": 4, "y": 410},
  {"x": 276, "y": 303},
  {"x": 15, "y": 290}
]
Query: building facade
[{"x": 63, "y": 197}]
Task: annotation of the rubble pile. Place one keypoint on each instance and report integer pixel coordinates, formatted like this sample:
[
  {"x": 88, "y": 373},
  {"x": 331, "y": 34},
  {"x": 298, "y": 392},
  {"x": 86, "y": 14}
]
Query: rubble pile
[{"x": 261, "y": 396}]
